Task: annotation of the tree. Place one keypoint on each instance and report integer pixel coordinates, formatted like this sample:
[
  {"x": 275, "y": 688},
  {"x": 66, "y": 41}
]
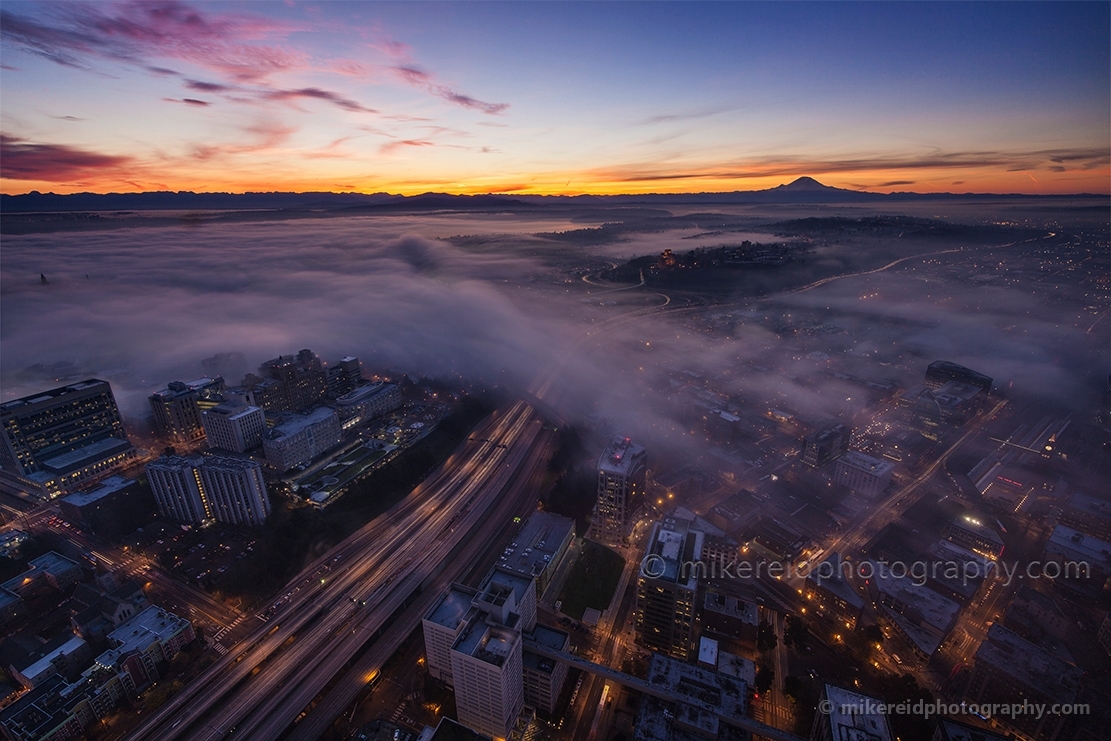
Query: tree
[
  {"x": 873, "y": 634},
  {"x": 766, "y": 639},
  {"x": 765, "y": 675},
  {"x": 798, "y": 632},
  {"x": 791, "y": 685}
]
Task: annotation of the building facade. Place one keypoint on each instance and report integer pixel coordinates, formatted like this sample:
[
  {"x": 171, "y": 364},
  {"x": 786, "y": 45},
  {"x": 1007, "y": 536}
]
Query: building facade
[
  {"x": 177, "y": 408},
  {"x": 198, "y": 489},
  {"x": 826, "y": 445},
  {"x": 865, "y": 475},
  {"x": 55, "y": 442},
  {"x": 300, "y": 439},
  {"x": 622, "y": 479},
  {"x": 234, "y": 427},
  {"x": 667, "y": 589},
  {"x": 367, "y": 402}
]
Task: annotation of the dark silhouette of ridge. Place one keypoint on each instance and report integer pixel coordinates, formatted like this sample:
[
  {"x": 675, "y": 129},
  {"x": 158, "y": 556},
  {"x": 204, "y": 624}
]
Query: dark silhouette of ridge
[{"x": 801, "y": 190}]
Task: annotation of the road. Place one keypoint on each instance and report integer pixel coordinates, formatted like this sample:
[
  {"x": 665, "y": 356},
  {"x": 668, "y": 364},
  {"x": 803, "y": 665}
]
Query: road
[{"x": 345, "y": 597}]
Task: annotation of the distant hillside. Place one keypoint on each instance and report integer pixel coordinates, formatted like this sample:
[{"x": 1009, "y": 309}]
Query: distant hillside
[{"x": 801, "y": 190}]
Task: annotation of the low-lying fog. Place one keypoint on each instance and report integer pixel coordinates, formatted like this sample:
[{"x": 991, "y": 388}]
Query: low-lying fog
[{"x": 143, "y": 306}]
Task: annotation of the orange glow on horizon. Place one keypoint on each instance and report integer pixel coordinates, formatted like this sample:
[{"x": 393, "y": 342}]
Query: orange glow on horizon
[{"x": 1094, "y": 181}]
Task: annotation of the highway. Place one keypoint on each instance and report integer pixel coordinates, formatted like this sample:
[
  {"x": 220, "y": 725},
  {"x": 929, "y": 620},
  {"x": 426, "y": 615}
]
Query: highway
[{"x": 346, "y": 596}]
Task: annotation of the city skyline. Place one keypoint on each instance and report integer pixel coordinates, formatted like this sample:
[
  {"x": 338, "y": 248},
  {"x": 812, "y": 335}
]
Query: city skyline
[{"x": 554, "y": 98}]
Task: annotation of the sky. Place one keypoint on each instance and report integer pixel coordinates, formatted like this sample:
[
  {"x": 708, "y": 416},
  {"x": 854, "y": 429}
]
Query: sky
[{"x": 556, "y": 98}]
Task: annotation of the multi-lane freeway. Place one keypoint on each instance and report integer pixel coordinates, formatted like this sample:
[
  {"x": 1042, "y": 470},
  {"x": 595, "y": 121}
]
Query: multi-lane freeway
[{"x": 346, "y": 597}]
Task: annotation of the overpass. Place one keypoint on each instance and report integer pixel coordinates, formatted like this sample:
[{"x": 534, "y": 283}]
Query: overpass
[{"x": 754, "y": 727}]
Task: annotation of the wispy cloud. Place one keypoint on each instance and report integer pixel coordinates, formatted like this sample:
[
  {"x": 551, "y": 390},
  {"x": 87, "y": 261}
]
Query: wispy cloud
[
  {"x": 419, "y": 78},
  {"x": 141, "y": 31},
  {"x": 793, "y": 166},
  {"x": 400, "y": 143},
  {"x": 318, "y": 94}
]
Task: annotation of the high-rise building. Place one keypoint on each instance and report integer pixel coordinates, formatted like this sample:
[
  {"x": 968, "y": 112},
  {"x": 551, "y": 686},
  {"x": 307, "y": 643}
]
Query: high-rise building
[
  {"x": 212, "y": 487},
  {"x": 233, "y": 427},
  {"x": 933, "y": 412},
  {"x": 941, "y": 372},
  {"x": 622, "y": 473},
  {"x": 474, "y": 644},
  {"x": 667, "y": 588},
  {"x": 343, "y": 377},
  {"x": 823, "y": 446},
  {"x": 301, "y": 438},
  {"x": 235, "y": 490},
  {"x": 865, "y": 475},
  {"x": 56, "y": 441},
  {"x": 300, "y": 382},
  {"x": 176, "y": 486},
  {"x": 544, "y": 677},
  {"x": 487, "y": 666},
  {"x": 178, "y": 407}
]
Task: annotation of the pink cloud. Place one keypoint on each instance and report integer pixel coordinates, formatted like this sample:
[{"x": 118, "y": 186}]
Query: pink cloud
[{"x": 23, "y": 160}]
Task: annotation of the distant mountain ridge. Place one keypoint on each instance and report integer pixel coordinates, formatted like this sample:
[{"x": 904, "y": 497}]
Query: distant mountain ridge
[{"x": 802, "y": 190}]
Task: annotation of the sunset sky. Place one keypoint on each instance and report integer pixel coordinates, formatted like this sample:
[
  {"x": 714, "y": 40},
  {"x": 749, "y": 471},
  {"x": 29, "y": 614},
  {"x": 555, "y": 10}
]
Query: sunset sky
[{"x": 554, "y": 97}]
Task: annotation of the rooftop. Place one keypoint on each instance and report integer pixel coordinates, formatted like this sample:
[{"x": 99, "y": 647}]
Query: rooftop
[
  {"x": 866, "y": 463},
  {"x": 935, "y": 612},
  {"x": 1072, "y": 542},
  {"x": 1089, "y": 505},
  {"x": 848, "y": 723},
  {"x": 151, "y": 624},
  {"x": 363, "y": 393},
  {"x": 725, "y": 604},
  {"x": 492, "y": 644},
  {"x": 231, "y": 410},
  {"x": 506, "y": 579},
  {"x": 52, "y": 562},
  {"x": 110, "y": 485},
  {"x": 450, "y": 610},
  {"x": 45, "y": 662},
  {"x": 449, "y": 730},
  {"x": 1028, "y": 663},
  {"x": 728, "y": 695},
  {"x": 737, "y": 666},
  {"x": 93, "y": 451},
  {"x": 179, "y": 388},
  {"x": 14, "y": 406},
  {"x": 534, "y": 547},
  {"x": 673, "y": 543},
  {"x": 621, "y": 456},
  {"x": 299, "y": 422},
  {"x": 976, "y": 526}
]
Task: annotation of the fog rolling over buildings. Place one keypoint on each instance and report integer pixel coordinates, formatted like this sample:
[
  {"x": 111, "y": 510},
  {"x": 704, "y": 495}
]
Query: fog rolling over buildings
[{"x": 501, "y": 300}]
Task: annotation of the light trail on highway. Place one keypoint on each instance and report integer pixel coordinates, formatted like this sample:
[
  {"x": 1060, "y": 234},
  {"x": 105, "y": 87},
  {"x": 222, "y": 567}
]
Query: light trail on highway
[{"x": 379, "y": 565}]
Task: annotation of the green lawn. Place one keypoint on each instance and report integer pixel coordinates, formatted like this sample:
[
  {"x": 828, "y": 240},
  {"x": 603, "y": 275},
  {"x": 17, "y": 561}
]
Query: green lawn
[{"x": 592, "y": 580}]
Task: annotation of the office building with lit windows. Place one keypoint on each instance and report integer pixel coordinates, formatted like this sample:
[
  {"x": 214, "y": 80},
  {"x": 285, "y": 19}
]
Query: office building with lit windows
[
  {"x": 199, "y": 489},
  {"x": 301, "y": 438},
  {"x": 970, "y": 532},
  {"x": 622, "y": 474},
  {"x": 178, "y": 407},
  {"x": 59, "y": 440},
  {"x": 667, "y": 588},
  {"x": 825, "y": 445},
  {"x": 234, "y": 427}
]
